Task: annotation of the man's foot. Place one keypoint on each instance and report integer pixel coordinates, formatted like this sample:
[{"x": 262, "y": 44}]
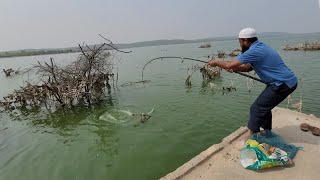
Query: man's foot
[{"x": 247, "y": 135}]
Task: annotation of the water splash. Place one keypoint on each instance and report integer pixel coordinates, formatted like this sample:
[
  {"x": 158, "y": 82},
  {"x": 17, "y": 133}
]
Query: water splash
[
  {"x": 116, "y": 116},
  {"x": 126, "y": 112}
]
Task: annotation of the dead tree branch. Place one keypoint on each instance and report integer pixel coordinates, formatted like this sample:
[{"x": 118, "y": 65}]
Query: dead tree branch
[{"x": 83, "y": 82}]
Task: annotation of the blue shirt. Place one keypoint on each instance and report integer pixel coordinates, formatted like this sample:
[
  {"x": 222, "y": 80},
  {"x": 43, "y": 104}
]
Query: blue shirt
[{"x": 269, "y": 66}]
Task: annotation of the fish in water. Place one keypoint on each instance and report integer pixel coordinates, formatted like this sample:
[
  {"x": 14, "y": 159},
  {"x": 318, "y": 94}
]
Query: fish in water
[{"x": 144, "y": 116}]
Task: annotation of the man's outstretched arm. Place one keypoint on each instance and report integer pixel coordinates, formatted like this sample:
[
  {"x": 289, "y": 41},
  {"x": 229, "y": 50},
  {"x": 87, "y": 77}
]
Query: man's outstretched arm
[{"x": 234, "y": 65}]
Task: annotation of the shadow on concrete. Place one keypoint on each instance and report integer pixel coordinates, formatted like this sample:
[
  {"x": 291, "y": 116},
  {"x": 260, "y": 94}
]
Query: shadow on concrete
[{"x": 292, "y": 134}]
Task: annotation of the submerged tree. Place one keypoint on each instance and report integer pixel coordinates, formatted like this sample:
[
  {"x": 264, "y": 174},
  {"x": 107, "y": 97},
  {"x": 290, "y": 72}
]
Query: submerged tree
[
  {"x": 9, "y": 72},
  {"x": 84, "y": 82},
  {"x": 305, "y": 46}
]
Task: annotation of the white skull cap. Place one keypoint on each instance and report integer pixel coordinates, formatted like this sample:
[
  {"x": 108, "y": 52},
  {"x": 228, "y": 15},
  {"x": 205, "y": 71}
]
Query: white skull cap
[{"x": 247, "y": 33}]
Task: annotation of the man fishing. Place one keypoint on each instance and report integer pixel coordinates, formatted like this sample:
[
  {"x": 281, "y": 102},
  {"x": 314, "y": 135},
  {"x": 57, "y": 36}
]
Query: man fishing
[{"x": 269, "y": 66}]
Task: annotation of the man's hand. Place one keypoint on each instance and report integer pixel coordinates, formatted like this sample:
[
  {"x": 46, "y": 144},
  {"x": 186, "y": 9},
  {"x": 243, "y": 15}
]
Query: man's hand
[{"x": 212, "y": 63}]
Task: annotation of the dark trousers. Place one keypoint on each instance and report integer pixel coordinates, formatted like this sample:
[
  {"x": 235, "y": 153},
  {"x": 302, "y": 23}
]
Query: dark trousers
[{"x": 260, "y": 110}]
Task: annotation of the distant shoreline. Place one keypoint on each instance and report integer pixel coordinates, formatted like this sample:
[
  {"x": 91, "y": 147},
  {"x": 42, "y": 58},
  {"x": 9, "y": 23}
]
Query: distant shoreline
[
  {"x": 33, "y": 53},
  {"x": 36, "y": 52}
]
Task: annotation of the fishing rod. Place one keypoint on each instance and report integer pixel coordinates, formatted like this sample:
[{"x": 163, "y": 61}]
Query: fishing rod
[{"x": 192, "y": 59}]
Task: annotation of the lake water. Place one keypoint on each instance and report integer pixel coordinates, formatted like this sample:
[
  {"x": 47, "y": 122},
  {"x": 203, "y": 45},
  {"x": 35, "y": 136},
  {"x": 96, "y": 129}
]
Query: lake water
[{"x": 106, "y": 143}]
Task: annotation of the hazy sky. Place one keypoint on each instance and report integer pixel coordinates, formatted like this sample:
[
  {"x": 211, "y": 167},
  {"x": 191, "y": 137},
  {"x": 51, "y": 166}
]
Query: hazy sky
[{"x": 63, "y": 23}]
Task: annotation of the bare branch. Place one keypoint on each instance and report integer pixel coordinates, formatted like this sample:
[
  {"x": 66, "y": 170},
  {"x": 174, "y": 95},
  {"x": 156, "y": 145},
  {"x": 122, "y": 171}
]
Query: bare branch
[{"x": 113, "y": 46}]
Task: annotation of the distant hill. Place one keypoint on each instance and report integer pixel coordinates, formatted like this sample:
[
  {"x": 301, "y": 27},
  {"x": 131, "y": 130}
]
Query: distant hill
[{"x": 32, "y": 52}]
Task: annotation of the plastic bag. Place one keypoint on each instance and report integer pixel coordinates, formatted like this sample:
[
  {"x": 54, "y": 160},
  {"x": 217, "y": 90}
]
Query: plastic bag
[{"x": 260, "y": 156}]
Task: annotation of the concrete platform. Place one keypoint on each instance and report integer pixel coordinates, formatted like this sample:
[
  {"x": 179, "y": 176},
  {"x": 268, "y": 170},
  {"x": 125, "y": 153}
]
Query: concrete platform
[{"x": 221, "y": 161}]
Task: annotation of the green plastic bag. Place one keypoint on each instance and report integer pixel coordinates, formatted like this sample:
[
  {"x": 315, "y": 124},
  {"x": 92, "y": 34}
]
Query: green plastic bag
[{"x": 255, "y": 157}]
